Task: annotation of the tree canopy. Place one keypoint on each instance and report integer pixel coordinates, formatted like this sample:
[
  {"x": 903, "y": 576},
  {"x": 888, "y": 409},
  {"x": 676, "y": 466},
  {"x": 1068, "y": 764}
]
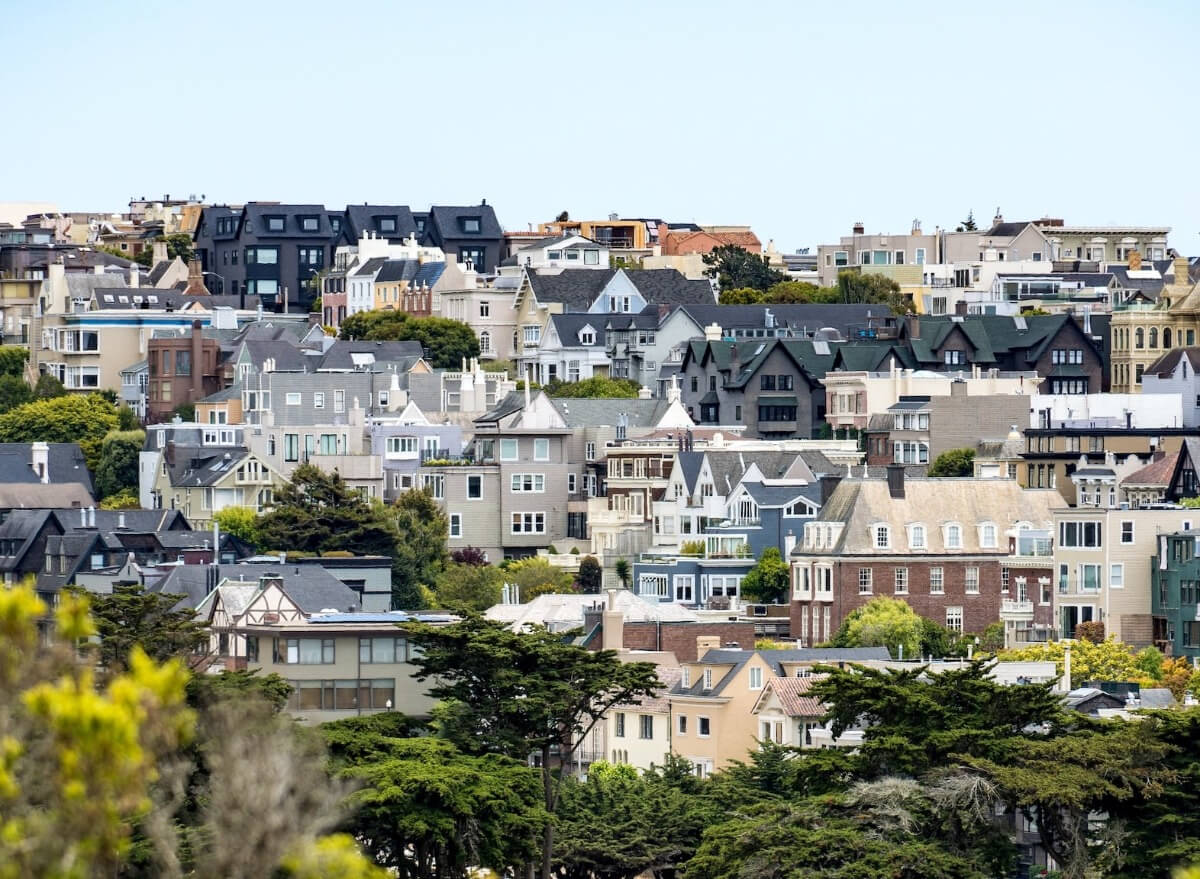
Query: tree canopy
[
  {"x": 769, "y": 580},
  {"x": 735, "y": 266},
  {"x": 536, "y": 576},
  {"x": 446, "y": 342},
  {"x": 953, "y": 462},
  {"x": 85, "y": 419},
  {"x": 598, "y": 386},
  {"x": 117, "y": 469},
  {"x": 464, "y": 585},
  {"x": 591, "y": 575}
]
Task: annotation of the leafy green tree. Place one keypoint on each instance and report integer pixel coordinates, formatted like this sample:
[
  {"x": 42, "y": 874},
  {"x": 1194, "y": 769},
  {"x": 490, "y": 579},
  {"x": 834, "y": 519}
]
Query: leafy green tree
[
  {"x": 241, "y": 522},
  {"x": 207, "y": 690},
  {"x": 179, "y": 245},
  {"x": 446, "y": 342},
  {"x": 524, "y": 693},
  {"x": 882, "y": 622},
  {"x": 735, "y": 266},
  {"x": 85, "y": 419},
  {"x": 801, "y": 292},
  {"x": 117, "y": 470},
  {"x": 126, "y": 499},
  {"x": 316, "y": 511},
  {"x": 1111, "y": 660},
  {"x": 742, "y": 296},
  {"x": 48, "y": 386},
  {"x": 474, "y": 586},
  {"x": 591, "y": 575},
  {"x": 968, "y": 225},
  {"x": 1191, "y": 503},
  {"x": 14, "y": 392},
  {"x": 13, "y": 359},
  {"x": 184, "y": 412},
  {"x": 131, "y": 617},
  {"x": 535, "y": 576},
  {"x": 420, "y": 553},
  {"x": 871, "y": 288},
  {"x": 954, "y": 462},
  {"x": 599, "y": 386},
  {"x": 768, "y": 581}
]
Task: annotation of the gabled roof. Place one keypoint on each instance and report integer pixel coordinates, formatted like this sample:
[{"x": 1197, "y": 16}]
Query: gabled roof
[
  {"x": 576, "y": 289},
  {"x": 368, "y": 268},
  {"x": 360, "y": 218},
  {"x": 1156, "y": 473},
  {"x": 65, "y": 462},
  {"x": 189, "y": 466},
  {"x": 599, "y": 411},
  {"x": 568, "y": 326},
  {"x": 839, "y": 316},
  {"x": 348, "y": 354},
  {"x": 1166, "y": 364},
  {"x": 689, "y": 466},
  {"x": 1005, "y": 230},
  {"x": 256, "y": 213},
  {"x": 514, "y": 402},
  {"x": 775, "y": 660},
  {"x": 311, "y": 587},
  {"x": 792, "y": 693},
  {"x": 447, "y": 221},
  {"x": 414, "y": 271},
  {"x": 286, "y": 355},
  {"x": 812, "y": 359}
]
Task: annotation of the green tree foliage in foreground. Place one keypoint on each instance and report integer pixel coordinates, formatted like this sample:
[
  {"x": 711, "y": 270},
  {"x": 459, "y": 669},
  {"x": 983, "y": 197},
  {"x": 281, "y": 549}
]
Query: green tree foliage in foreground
[
  {"x": 955, "y": 462},
  {"x": 770, "y": 580},
  {"x": 599, "y": 386},
  {"x": 476, "y": 587},
  {"x": 85, "y": 419},
  {"x": 447, "y": 342},
  {"x": 117, "y": 470},
  {"x": 536, "y": 576},
  {"x": 735, "y": 266}
]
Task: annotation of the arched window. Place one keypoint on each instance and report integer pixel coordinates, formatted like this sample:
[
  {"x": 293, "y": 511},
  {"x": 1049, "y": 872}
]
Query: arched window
[
  {"x": 515, "y": 348},
  {"x": 953, "y": 536},
  {"x": 485, "y": 342},
  {"x": 1138, "y": 338},
  {"x": 1167, "y": 337},
  {"x": 1153, "y": 337},
  {"x": 916, "y": 537}
]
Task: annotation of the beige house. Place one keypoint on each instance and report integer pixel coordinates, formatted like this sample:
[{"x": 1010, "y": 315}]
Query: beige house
[
  {"x": 490, "y": 312},
  {"x": 199, "y": 481},
  {"x": 639, "y": 735}
]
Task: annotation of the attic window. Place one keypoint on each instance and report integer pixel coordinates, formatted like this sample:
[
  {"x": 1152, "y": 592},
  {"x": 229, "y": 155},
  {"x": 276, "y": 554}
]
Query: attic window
[
  {"x": 335, "y": 223},
  {"x": 310, "y": 224},
  {"x": 587, "y": 336},
  {"x": 275, "y": 224},
  {"x": 108, "y": 297},
  {"x": 386, "y": 224},
  {"x": 471, "y": 225}
]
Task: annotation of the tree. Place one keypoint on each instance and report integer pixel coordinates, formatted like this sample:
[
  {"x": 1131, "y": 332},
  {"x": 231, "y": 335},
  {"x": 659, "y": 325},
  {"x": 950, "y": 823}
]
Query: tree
[
  {"x": 535, "y": 576},
  {"x": 591, "y": 576},
  {"x": 469, "y": 555},
  {"x": 968, "y": 225},
  {"x": 1191, "y": 503},
  {"x": 420, "y": 553},
  {"x": 882, "y": 622},
  {"x": 184, "y": 412},
  {"x": 13, "y": 359},
  {"x": 524, "y": 693},
  {"x": 48, "y": 386},
  {"x": 316, "y": 511},
  {"x": 125, "y": 499},
  {"x": 1109, "y": 661},
  {"x": 954, "y": 462},
  {"x": 473, "y": 586},
  {"x": 769, "y": 581},
  {"x": 241, "y": 522},
  {"x": 735, "y": 266},
  {"x": 208, "y": 690},
  {"x": 598, "y": 386},
  {"x": 153, "y": 622},
  {"x": 871, "y": 288},
  {"x": 79, "y": 418},
  {"x": 179, "y": 245},
  {"x": 621, "y": 569},
  {"x": 742, "y": 296},
  {"x": 446, "y": 342},
  {"x": 14, "y": 392},
  {"x": 117, "y": 470}
]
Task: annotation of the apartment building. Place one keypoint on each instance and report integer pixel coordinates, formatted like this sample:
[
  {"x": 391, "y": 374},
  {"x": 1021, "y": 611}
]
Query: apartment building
[
  {"x": 1143, "y": 331},
  {"x": 1175, "y": 594}
]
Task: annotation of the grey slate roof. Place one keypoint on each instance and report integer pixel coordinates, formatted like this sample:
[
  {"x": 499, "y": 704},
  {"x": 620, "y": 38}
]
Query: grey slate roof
[
  {"x": 66, "y": 464},
  {"x": 201, "y": 465},
  {"x": 775, "y": 659},
  {"x": 689, "y": 463},
  {"x": 361, "y": 218},
  {"x": 577, "y": 289},
  {"x": 411, "y": 270},
  {"x": 842, "y": 317},
  {"x": 312, "y": 587},
  {"x": 568, "y": 325},
  {"x": 779, "y": 495},
  {"x": 598, "y": 412},
  {"x": 341, "y": 354}
]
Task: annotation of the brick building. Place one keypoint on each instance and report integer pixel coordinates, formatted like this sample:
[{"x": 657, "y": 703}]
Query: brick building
[
  {"x": 184, "y": 368},
  {"x": 940, "y": 545}
]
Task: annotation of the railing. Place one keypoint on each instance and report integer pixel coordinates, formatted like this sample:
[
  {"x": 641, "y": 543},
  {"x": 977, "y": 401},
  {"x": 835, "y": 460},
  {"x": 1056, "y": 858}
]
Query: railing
[
  {"x": 1016, "y": 607},
  {"x": 440, "y": 458}
]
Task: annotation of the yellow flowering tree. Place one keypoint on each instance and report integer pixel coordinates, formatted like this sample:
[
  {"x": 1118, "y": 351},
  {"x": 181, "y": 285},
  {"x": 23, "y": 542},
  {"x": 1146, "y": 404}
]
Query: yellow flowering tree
[{"x": 1110, "y": 660}]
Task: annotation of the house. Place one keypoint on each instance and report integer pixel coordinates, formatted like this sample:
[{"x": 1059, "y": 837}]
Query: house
[
  {"x": 469, "y": 234},
  {"x": 1092, "y": 700},
  {"x": 639, "y": 733},
  {"x": 772, "y": 387},
  {"x": 570, "y": 251},
  {"x": 713, "y": 706},
  {"x": 404, "y": 440},
  {"x": 490, "y": 312},
  {"x": 1175, "y": 373},
  {"x": 576, "y": 346},
  {"x": 184, "y": 366},
  {"x": 1142, "y": 332},
  {"x": 201, "y": 480},
  {"x": 1103, "y": 571},
  {"x": 860, "y": 249},
  {"x": 939, "y": 545}
]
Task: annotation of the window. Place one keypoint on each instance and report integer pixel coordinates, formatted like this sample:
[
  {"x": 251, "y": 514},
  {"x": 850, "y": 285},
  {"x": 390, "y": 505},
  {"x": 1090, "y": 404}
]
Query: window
[
  {"x": 864, "y": 581},
  {"x": 541, "y": 449},
  {"x": 920, "y": 256},
  {"x": 954, "y": 358},
  {"x": 703, "y": 728},
  {"x": 571, "y": 483},
  {"x": 1116, "y": 576},
  {"x": 901, "y": 581},
  {"x": 291, "y": 447},
  {"x": 435, "y": 483},
  {"x": 263, "y": 256},
  {"x": 310, "y": 224},
  {"x": 936, "y": 583},
  {"x": 681, "y": 723},
  {"x": 372, "y": 651},
  {"x": 527, "y": 482},
  {"x": 275, "y": 224},
  {"x": 1085, "y": 535},
  {"x": 474, "y": 487},
  {"x": 473, "y": 255},
  {"x": 471, "y": 225},
  {"x": 953, "y": 536},
  {"x": 1089, "y": 578},
  {"x": 756, "y": 678},
  {"x": 310, "y": 257},
  {"x": 318, "y": 399},
  {"x": 645, "y": 726},
  {"x": 954, "y": 619},
  {"x": 339, "y": 401},
  {"x": 401, "y": 445},
  {"x": 883, "y": 537},
  {"x": 619, "y": 725},
  {"x": 971, "y": 578},
  {"x": 987, "y": 536},
  {"x": 508, "y": 450},
  {"x": 1127, "y": 532},
  {"x": 304, "y": 651},
  {"x": 685, "y": 587},
  {"x": 293, "y": 399},
  {"x": 916, "y": 537},
  {"x": 708, "y": 679},
  {"x": 766, "y": 382},
  {"x": 456, "y": 524},
  {"x": 528, "y": 523}
]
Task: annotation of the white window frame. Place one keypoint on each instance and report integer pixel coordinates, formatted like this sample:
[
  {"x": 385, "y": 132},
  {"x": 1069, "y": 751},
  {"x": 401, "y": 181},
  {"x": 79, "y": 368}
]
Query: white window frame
[
  {"x": 1116, "y": 575},
  {"x": 937, "y": 585},
  {"x": 543, "y": 444},
  {"x": 292, "y": 398},
  {"x": 971, "y": 580},
  {"x": 456, "y": 525},
  {"x": 755, "y": 677},
  {"x": 510, "y": 443}
]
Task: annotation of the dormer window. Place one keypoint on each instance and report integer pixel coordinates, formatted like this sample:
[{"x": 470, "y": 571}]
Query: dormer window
[
  {"x": 335, "y": 223},
  {"x": 883, "y": 536},
  {"x": 310, "y": 224},
  {"x": 587, "y": 336},
  {"x": 954, "y": 536},
  {"x": 471, "y": 225},
  {"x": 916, "y": 537},
  {"x": 420, "y": 222},
  {"x": 553, "y": 254},
  {"x": 386, "y": 224},
  {"x": 987, "y": 535},
  {"x": 275, "y": 224}
]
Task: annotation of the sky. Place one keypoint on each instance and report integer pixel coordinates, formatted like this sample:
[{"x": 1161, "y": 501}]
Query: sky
[{"x": 796, "y": 118}]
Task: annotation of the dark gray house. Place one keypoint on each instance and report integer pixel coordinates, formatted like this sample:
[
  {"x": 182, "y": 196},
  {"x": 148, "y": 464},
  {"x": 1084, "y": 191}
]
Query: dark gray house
[
  {"x": 463, "y": 233},
  {"x": 771, "y": 386}
]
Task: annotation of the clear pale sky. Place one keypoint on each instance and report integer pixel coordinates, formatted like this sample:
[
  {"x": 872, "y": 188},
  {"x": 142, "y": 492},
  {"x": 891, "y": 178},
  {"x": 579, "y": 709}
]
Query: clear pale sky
[{"x": 796, "y": 118}]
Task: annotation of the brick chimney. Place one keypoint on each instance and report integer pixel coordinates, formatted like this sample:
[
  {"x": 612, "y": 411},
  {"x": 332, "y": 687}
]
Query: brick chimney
[
  {"x": 195, "y": 284},
  {"x": 705, "y": 643}
]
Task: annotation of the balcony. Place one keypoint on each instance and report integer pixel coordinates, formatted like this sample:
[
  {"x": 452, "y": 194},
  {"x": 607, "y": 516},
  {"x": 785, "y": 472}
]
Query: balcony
[
  {"x": 1016, "y": 610},
  {"x": 614, "y": 517}
]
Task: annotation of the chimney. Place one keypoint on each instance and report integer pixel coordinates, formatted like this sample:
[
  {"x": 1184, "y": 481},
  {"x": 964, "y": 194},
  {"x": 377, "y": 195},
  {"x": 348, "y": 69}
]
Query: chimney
[
  {"x": 644, "y": 393},
  {"x": 958, "y": 388},
  {"x": 913, "y": 323},
  {"x": 859, "y": 228},
  {"x": 1181, "y": 271},
  {"x": 195, "y": 282},
  {"x": 895, "y": 480},
  {"x": 159, "y": 249},
  {"x": 712, "y": 333},
  {"x": 40, "y": 455},
  {"x": 612, "y": 625},
  {"x": 91, "y": 514},
  {"x": 121, "y": 520},
  {"x": 135, "y": 276},
  {"x": 705, "y": 643}
]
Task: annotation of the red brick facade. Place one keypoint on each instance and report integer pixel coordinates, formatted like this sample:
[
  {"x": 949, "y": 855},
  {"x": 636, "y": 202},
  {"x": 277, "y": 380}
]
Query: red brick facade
[{"x": 680, "y": 638}]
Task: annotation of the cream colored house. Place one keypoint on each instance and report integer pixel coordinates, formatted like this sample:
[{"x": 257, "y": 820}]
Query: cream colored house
[
  {"x": 639, "y": 735},
  {"x": 200, "y": 481}
]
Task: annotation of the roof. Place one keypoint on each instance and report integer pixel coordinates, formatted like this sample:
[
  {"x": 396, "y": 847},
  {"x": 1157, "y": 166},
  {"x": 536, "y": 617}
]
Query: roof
[
  {"x": 201, "y": 465},
  {"x": 1167, "y": 363},
  {"x": 1155, "y": 697},
  {"x": 776, "y": 659},
  {"x": 568, "y": 326},
  {"x": 669, "y": 676},
  {"x": 861, "y": 504},
  {"x": 416, "y": 272},
  {"x": 793, "y": 696},
  {"x": 311, "y": 587},
  {"x": 599, "y": 412},
  {"x": 1005, "y": 230},
  {"x": 65, "y": 462},
  {"x": 577, "y": 289},
  {"x": 35, "y": 496},
  {"x": 447, "y": 221},
  {"x": 839, "y": 316},
  {"x": 1157, "y": 472},
  {"x": 360, "y": 218},
  {"x": 341, "y": 354},
  {"x": 560, "y": 612}
]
